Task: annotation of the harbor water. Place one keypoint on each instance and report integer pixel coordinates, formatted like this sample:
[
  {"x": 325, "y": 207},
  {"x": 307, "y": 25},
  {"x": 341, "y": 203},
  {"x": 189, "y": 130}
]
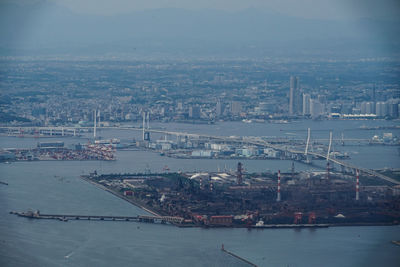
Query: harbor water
[{"x": 55, "y": 187}]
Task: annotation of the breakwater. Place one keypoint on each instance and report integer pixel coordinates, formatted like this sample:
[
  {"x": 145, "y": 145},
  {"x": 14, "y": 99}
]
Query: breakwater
[{"x": 237, "y": 256}]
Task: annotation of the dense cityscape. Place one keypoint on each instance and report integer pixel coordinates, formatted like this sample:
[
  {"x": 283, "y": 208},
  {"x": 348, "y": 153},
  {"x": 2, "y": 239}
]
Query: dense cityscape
[
  {"x": 61, "y": 92},
  {"x": 187, "y": 133}
]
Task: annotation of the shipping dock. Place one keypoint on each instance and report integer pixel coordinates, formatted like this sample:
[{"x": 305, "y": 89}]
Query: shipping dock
[
  {"x": 174, "y": 220},
  {"x": 57, "y": 151}
]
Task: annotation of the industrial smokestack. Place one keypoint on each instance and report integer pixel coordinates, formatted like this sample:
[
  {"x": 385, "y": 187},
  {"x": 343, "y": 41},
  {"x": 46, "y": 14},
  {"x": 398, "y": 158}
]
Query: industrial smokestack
[
  {"x": 357, "y": 185},
  {"x": 278, "y": 197},
  {"x": 239, "y": 174}
]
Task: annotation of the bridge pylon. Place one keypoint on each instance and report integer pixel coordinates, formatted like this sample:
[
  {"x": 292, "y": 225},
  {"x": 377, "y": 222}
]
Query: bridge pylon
[
  {"x": 328, "y": 167},
  {"x": 146, "y": 126},
  {"x": 308, "y": 159},
  {"x": 308, "y": 156}
]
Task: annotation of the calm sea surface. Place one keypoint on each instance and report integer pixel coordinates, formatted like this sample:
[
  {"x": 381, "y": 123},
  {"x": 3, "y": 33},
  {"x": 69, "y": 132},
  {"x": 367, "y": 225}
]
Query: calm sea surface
[{"x": 55, "y": 187}]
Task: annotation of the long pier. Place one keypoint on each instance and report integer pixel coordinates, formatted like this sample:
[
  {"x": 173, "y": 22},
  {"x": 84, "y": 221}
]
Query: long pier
[
  {"x": 283, "y": 226},
  {"x": 66, "y": 217}
]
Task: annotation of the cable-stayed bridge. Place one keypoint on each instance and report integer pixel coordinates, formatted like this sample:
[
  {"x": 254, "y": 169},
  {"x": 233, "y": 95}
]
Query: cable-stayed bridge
[{"x": 257, "y": 141}]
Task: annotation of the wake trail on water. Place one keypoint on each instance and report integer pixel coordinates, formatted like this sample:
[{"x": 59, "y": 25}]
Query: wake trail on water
[{"x": 69, "y": 255}]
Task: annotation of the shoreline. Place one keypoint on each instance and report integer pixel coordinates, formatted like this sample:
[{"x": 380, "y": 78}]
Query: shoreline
[{"x": 135, "y": 203}]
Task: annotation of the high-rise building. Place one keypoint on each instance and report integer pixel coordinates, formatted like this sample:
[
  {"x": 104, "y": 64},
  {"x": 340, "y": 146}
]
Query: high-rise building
[
  {"x": 295, "y": 101},
  {"x": 381, "y": 109},
  {"x": 236, "y": 107},
  {"x": 393, "y": 109},
  {"x": 346, "y": 108},
  {"x": 219, "y": 109},
  {"x": 316, "y": 108},
  {"x": 179, "y": 106},
  {"x": 267, "y": 107},
  {"x": 367, "y": 108},
  {"x": 398, "y": 108},
  {"x": 306, "y": 104},
  {"x": 322, "y": 99},
  {"x": 194, "y": 112}
]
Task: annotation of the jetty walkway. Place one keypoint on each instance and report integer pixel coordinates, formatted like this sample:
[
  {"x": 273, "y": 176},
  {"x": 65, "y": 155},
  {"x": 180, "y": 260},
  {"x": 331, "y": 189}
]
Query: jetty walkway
[{"x": 66, "y": 217}]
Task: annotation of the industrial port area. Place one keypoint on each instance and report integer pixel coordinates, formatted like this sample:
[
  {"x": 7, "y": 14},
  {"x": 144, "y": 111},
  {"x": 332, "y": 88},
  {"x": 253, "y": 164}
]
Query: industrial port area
[
  {"x": 200, "y": 133},
  {"x": 57, "y": 151},
  {"x": 181, "y": 145},
  {"x": 341, "y": 194},
  {"x": 260, "y": 200}
]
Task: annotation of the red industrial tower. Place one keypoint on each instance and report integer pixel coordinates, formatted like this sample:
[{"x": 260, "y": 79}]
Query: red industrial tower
[
  {"x": 311, "y": 217},
  {"x": 297, "y": 217}
]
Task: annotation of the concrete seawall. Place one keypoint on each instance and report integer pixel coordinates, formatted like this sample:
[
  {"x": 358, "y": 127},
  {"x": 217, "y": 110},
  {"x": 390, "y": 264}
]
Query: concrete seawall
[{"x": 120, "y": 196}]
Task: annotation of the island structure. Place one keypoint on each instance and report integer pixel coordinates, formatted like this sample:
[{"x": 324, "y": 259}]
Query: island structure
[{"x": 259, "y": 200}]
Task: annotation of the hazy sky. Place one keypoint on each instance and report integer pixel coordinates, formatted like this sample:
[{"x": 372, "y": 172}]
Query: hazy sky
[
  {"x": 35, "y": 24},
  {"x": 330, "y": 9}
]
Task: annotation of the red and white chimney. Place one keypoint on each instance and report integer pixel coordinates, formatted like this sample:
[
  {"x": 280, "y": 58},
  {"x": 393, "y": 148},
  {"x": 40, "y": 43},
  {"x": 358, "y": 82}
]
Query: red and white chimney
[
  {"x": 357, "y": 185},
  {"x": 278, "y": 198}
]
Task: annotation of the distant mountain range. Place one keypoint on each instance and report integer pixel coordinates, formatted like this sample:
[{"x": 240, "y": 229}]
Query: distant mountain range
[{"x": 42, "y": 28}]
